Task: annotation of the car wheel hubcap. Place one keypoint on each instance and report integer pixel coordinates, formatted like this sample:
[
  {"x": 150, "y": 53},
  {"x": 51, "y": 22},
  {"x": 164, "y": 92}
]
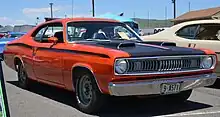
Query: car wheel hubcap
[{"x": 85, "y": 90}]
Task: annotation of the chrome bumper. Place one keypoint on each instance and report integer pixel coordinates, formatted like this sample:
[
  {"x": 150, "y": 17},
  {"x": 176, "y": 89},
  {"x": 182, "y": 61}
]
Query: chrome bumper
[{"x": 149, "y": 87}]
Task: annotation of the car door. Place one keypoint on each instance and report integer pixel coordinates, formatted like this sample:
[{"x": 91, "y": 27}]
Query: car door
[
  {"x": 47, "y": 61},
  {"x": 202, "y": 36}
]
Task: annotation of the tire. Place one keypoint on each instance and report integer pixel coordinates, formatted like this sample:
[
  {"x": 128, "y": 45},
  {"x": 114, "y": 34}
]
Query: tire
[
  {"x": 179, "y": 97},
  {"x": 23, "y": 80},
  {"x": 92, "y": 100}
]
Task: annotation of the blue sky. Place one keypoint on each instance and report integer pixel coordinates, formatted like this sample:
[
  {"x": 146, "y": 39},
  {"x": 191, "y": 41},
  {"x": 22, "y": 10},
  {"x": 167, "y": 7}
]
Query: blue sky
[{"x": 26, "y": 11}]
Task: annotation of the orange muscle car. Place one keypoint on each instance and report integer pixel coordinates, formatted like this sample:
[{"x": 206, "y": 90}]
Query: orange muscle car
[{"x": 99, "y": 58}]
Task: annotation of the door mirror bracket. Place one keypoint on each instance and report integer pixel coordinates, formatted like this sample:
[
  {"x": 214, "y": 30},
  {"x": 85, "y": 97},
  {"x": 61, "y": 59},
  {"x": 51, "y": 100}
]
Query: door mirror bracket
[{"x": 53, "y": 40}]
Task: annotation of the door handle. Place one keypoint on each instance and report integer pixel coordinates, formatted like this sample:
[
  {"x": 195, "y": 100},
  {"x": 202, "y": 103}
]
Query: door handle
[{"x": 34, "y": 51}]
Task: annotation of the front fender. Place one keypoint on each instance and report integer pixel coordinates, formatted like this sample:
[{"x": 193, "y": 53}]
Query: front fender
[{"x": 87, "y": 66}]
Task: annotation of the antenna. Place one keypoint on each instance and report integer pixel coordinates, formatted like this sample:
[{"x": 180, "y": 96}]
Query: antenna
[{"x": 72, "y": 8}]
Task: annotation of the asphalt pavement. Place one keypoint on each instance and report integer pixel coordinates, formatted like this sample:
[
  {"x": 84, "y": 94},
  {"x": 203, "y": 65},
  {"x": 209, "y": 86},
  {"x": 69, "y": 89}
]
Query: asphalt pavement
[{"x": 46, "y": 101}]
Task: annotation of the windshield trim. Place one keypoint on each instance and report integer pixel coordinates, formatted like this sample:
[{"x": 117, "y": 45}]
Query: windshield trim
[{"x": 129, "y": 28}]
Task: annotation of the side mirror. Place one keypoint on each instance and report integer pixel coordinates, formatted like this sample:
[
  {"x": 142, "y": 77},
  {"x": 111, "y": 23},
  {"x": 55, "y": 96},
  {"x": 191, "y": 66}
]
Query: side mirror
[{"x": 53, "y": 40}]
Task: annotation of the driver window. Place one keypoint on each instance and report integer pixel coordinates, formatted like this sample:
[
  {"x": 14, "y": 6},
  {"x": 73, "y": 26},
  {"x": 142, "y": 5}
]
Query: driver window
[
  {"x": 39, "y": 34},
  {"x": 52, "y": 30}
]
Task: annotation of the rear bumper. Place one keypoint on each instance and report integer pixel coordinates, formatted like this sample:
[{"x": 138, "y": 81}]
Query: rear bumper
[{"x": 153, "y": 86}]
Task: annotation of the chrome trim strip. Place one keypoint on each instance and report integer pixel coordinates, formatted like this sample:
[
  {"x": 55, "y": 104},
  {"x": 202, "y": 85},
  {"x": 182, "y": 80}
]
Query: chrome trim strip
[
  {"x": 152, "y": 86},
  {"x": 161, "y": 62}
]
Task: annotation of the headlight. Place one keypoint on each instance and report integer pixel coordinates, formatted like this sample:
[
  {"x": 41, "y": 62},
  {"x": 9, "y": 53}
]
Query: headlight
[
  {"x": 207, "y": 62},
  {"x": 121, "y": 66}
]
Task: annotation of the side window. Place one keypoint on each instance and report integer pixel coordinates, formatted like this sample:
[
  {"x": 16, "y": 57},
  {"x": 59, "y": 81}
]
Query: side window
[
  {"x": 187, "y": 32},
  {"x": 52, "y": 30},
  {"x": 209, "y": 32},
  {"x": 39, "y": 35}
]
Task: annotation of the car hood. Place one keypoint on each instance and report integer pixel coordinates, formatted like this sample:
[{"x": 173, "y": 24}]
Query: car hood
[{"x": 142, "y": 49}]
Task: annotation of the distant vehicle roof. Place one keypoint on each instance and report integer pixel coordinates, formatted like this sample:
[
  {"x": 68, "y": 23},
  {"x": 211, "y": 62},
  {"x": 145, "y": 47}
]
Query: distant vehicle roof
[
  {"x": 16, "y": 32},
  {"x": 116, "y": 17}
]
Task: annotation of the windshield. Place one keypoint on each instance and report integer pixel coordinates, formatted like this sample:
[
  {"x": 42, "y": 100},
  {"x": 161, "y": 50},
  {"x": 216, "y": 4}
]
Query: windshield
[
  {"x": 80, "y": 31},
  {"x": 133, "y": 25}
]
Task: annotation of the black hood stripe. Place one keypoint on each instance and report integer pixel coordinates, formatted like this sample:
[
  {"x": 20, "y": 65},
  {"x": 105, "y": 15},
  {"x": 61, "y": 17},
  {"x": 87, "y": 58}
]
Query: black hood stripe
[{"x": 142, "y": 49}]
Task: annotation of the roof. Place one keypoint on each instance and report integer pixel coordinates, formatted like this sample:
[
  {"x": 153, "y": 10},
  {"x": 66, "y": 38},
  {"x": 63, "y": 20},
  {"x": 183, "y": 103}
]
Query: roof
[
  {"x": 81, "y": 19},
  {"x": 198, "y": 14}
]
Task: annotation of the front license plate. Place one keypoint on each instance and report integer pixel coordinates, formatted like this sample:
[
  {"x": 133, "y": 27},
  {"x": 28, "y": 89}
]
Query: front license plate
[{"x": 169, "y": 88}]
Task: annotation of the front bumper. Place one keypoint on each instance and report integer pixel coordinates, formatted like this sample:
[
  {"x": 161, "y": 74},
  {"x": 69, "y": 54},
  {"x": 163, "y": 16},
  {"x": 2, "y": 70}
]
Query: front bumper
[{"x": 153, "y": 86}]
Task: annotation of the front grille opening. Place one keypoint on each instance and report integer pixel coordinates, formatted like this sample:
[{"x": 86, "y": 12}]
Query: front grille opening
[{"x": 155, "y": 65}]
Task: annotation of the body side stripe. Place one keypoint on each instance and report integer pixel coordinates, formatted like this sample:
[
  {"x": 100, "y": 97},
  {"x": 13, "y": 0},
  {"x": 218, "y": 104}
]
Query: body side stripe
[{"x": 61, "y": 50}]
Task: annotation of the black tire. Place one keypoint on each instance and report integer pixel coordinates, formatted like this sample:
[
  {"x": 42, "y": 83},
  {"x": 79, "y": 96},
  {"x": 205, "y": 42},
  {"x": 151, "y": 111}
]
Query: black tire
[
  {"x": 97, "y": 101},
  {"x": 179, "y": 97},
  {"x": 23, "y": 80}
]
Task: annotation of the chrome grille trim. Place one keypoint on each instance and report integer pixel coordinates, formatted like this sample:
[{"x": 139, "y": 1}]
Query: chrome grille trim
[{"x": 164, "y": 64}]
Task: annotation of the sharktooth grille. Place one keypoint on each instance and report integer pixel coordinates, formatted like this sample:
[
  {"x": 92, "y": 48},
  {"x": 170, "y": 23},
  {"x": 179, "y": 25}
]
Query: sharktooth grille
[{"x": 156, "y": 65}]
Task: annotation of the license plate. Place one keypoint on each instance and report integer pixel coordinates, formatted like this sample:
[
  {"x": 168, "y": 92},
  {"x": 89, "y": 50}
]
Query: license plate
[{"x": 170, "y": 88}]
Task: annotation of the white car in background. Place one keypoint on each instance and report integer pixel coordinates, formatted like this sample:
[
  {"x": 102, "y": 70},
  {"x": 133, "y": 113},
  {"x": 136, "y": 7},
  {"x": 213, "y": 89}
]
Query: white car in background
[{"x": 194, "y": 34}]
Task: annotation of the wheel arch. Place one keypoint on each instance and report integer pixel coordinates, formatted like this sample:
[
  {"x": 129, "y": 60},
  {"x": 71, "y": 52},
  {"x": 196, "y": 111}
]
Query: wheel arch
[
  {"x": 17, "y": 60},
  {"x": 79, "y": 67}
]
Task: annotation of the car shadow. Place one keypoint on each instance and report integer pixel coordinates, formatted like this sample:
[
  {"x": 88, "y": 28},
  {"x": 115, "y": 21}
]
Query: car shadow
[
  {"x": 216, "y": 85},
  {"x": 120, "y": 107}
]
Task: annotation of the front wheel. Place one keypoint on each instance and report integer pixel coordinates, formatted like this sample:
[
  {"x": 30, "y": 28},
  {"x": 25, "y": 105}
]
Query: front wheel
[{"x": 89, "y": 98}]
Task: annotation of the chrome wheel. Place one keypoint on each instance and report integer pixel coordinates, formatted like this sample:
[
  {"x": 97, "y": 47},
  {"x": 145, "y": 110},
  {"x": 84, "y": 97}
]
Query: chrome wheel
[{"x": 85, "y": 90}]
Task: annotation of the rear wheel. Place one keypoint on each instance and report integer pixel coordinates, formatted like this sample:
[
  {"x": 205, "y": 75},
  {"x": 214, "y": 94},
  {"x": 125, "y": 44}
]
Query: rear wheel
[
  {"x": 23, "y": 80},
  {"x": 89, "y": 98}
]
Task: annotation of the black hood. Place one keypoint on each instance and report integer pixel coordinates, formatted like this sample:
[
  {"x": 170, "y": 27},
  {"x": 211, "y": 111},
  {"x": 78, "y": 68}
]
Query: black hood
[{"x": 141, "y": 49}]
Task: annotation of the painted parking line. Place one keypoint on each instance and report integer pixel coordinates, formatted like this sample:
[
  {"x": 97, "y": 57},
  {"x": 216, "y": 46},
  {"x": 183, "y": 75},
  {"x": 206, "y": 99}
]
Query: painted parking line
[{"x": 190, "y": 114}]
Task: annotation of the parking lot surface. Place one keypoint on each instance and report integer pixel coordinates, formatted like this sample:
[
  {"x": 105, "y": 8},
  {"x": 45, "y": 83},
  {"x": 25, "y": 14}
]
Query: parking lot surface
[{"x": 45, "y": 101}]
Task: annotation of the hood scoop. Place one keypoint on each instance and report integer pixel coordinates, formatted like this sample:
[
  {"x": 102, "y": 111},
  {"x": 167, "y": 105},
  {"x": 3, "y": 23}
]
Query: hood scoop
[{"x": 118, "y": 45}]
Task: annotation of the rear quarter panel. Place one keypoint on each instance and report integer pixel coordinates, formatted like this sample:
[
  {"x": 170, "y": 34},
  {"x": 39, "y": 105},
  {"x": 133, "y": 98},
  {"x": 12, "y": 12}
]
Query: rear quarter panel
[{"x": 21, "y": 50}]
